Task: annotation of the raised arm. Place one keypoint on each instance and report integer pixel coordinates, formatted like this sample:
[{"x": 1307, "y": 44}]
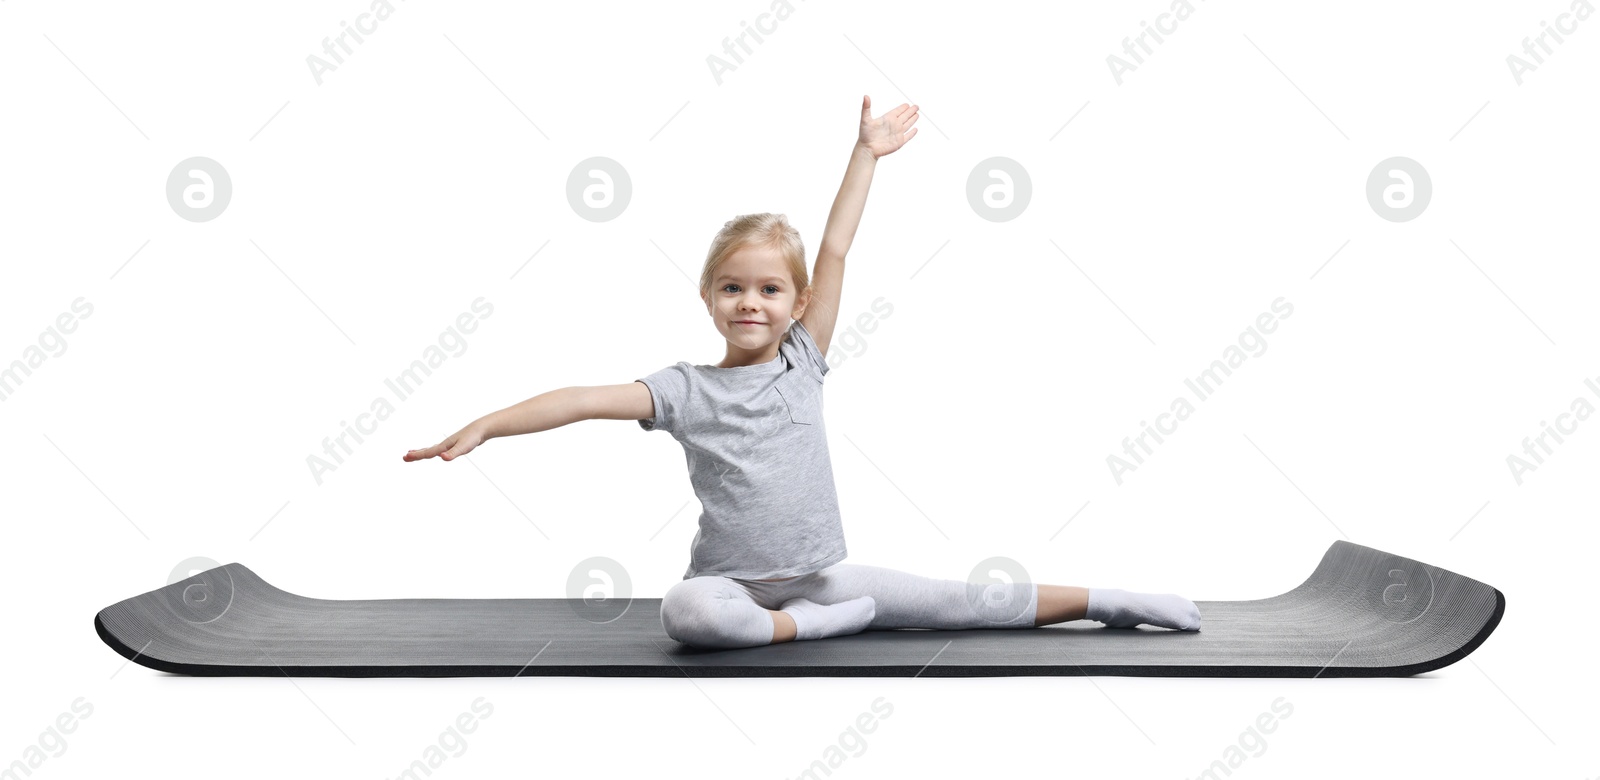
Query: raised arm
[
  {"x": 878, "y": 137},
  {"x": 544, "y": 411}
]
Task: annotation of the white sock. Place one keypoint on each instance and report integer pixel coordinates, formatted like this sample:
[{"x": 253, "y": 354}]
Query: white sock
[
  {"x": 1119, "y": 608},
  {"x": 820, "y": 621}
]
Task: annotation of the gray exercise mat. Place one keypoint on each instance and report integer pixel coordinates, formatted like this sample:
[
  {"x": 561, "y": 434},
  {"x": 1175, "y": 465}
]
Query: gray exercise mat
[{"x": 1362, "y": 613}]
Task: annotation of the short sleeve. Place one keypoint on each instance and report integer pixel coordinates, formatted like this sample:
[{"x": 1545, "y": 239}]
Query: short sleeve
[
  {"x": 669, "y": 391},
  {"x": 807, "y": 350}
]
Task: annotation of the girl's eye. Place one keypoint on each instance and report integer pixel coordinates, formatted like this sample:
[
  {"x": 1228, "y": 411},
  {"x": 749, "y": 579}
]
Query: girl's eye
[{"x": 772, "y": 287}]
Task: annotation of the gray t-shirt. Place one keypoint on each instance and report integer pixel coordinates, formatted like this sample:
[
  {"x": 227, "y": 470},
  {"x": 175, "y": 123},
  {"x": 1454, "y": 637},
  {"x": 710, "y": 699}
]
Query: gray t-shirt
[{"x": 758, "y": 460}]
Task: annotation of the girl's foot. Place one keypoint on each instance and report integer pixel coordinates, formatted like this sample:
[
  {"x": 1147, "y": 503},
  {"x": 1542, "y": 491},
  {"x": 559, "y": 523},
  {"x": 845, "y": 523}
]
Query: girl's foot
[
  {"x": 1119, "y": 608},
  {"x": 819, "y": 621}
]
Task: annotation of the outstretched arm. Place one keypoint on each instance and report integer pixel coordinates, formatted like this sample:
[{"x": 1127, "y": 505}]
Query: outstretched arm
[
  {"x": 878, "y": 137},
  {"x": 544, "y": 411}
]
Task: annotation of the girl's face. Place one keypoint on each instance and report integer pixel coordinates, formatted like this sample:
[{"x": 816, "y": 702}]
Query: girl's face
[{"x": 753, "y": 298}]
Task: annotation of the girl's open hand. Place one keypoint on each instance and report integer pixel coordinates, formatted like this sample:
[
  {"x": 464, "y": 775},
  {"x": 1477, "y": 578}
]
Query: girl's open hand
[
  {"x": 888, "y": 132},
  {"x": 459, "y": 443}
]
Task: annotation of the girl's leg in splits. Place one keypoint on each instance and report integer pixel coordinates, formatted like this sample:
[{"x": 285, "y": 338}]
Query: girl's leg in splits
[
  {"x": 905, "y": 600},
  {"x": 1056, "y": 604},
  {"x": 718, "y": 612}
]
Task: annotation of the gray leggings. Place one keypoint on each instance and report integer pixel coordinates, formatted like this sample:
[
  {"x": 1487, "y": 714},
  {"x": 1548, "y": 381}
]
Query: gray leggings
[{"x": 724, "y": 612}]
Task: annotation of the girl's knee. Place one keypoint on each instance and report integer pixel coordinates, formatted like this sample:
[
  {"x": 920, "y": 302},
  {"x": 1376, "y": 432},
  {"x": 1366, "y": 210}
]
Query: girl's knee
[
  {"x": 711, "y": 612},
  {"x": 683, "y": 610}
]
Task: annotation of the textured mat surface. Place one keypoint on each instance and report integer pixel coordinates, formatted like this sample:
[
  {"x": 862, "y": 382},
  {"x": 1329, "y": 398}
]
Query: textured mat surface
[{"x": 1362, "y": 613}]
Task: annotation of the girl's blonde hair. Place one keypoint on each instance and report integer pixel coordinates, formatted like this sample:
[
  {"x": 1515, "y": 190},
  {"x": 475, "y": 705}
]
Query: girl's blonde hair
[{"x": 757, "y": 230}]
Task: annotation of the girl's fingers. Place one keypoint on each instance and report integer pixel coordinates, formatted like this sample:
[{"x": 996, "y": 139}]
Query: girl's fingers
[{"x": 426, "y": 452}]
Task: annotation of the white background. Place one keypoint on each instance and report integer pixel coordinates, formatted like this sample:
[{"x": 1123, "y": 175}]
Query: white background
[{"x": 369, "y": 211}]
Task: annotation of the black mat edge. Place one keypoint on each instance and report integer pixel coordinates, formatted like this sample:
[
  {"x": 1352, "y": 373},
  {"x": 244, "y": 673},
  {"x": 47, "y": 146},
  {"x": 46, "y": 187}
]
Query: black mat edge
[{"x": 678, "y": 670}]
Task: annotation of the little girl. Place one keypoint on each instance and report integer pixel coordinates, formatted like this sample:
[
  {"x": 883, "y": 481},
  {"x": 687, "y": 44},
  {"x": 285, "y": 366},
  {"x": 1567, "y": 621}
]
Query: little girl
[{"x": 765, "y": 565}]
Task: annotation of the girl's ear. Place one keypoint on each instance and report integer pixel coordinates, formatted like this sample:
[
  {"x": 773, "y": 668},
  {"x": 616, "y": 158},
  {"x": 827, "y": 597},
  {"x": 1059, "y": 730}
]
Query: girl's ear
[{"x": 801, "y": 302}]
